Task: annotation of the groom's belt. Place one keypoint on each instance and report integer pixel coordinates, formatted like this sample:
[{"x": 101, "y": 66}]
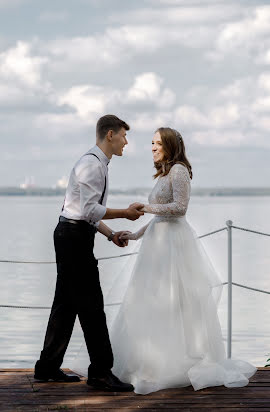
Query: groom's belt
[{"x": 76, "y": 222}]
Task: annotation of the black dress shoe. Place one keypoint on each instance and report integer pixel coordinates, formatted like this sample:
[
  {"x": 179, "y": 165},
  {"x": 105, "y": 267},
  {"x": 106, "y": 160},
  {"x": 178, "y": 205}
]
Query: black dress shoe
[
  {"x": 109, "y": 382},
  {"x": 57, "y": 376}
]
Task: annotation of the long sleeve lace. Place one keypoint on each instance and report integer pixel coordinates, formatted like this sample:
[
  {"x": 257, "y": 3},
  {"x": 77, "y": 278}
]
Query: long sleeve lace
[{"x": 171, "y": 194}]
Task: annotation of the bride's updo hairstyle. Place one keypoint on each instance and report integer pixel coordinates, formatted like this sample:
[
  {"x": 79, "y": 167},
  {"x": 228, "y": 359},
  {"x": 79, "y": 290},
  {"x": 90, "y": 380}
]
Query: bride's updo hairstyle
[{"x": 174, "y": 152}]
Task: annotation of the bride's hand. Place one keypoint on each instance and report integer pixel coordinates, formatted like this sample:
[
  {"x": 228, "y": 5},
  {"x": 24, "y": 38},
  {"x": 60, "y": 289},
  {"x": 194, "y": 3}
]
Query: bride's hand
[
  {"x": 140, "y": 206},
  {"x": 128, "y": 236},
  {"x": 118, "y": 241}
]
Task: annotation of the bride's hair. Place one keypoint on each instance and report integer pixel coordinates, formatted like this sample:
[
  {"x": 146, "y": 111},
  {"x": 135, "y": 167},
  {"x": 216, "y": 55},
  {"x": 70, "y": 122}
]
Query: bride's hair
[{"x": 174, "y": 152}]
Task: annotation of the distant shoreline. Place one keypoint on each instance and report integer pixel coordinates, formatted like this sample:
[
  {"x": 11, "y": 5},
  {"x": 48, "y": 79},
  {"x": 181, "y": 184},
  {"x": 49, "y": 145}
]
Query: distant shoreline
[{"x": 215, "y": 191}]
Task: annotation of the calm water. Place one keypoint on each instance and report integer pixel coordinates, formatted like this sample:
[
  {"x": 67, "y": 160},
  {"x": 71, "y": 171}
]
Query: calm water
[{"x": 27, "y": 225}]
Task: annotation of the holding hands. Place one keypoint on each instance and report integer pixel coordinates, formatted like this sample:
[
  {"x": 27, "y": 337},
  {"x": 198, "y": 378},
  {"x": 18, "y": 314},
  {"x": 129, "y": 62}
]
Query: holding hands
[
  {"x": 134, "y": 211},
  {"x": 118, "y": 240},
  {"x": 126, "y": 236},
  {"x": 121, "y": 238}
]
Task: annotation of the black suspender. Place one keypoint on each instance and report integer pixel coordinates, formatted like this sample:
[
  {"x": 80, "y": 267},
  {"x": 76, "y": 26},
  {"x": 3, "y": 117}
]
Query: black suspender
[
  {"x": 103, "y": 193},
  {"x": 104, "y": 190}
]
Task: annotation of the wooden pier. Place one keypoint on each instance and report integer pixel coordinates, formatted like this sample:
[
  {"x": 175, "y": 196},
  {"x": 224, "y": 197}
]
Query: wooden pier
[{"x": 20, "y": 392}]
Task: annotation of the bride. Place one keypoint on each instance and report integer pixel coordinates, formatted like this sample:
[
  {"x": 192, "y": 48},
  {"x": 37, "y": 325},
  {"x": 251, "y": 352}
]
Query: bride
[{"x": 166, "y": 333}]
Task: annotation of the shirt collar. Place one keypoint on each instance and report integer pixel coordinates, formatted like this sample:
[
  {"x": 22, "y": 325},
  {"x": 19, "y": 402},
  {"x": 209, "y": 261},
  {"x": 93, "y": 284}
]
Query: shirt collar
[{"x": 101, "y": 155}]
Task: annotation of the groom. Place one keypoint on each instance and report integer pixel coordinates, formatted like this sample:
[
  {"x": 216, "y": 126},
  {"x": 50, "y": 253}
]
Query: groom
[{"x": 78, "y": 290}]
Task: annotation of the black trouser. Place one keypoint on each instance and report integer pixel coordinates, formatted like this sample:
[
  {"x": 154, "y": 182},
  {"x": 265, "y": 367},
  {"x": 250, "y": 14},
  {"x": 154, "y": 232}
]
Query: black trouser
[{"x": 78, "y": 292}]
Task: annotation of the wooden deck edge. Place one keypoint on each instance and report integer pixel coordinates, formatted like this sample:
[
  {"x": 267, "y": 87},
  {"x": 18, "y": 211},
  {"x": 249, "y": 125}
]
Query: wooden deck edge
[
  {"x": 26, "y": 370},
  {"x": 261, "y": 368}
]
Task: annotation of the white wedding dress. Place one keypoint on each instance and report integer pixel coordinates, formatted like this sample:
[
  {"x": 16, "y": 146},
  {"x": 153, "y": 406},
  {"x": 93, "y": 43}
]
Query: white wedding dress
[{"x": 166, "y": 333}]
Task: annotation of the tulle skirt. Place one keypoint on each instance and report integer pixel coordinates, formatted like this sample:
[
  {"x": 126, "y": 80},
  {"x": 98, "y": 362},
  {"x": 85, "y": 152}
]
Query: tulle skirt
[{"x": 166, "y": 332}]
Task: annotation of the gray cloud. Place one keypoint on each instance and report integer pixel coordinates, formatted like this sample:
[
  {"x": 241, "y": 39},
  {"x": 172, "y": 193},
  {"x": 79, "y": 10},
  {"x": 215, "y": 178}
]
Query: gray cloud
[
  {"x": 192, "y": 65},
  {"x": 12, "y": 3}
]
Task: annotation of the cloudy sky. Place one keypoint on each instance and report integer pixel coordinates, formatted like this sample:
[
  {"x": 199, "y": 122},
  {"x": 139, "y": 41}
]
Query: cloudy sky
[{"x": 201, "y": 66}]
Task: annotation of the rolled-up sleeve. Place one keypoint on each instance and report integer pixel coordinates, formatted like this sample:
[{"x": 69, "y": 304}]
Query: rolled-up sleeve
[{"x": 91, "y": 180}]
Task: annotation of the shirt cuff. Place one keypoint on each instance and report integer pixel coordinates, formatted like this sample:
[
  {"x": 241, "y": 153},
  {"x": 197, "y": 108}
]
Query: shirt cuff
[{"x": 98, "y": 213}]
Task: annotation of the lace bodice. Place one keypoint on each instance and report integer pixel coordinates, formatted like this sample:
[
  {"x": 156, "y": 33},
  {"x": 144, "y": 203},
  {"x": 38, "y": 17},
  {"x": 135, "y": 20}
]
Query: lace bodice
[{"x": 170, "y": 195}]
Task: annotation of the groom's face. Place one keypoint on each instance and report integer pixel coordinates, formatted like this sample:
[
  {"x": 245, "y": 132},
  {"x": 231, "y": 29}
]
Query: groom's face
[{"x": 119, "y": 141}]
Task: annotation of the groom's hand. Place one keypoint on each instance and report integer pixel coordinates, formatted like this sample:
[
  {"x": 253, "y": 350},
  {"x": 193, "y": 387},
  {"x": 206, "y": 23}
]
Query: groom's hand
[
  {"x": 134, "y": 211},
  {"x": 117, "y": 239}
]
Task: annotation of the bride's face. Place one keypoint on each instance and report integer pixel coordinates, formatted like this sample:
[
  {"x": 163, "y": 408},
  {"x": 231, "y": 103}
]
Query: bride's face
[{"x": 157, "y": 150}]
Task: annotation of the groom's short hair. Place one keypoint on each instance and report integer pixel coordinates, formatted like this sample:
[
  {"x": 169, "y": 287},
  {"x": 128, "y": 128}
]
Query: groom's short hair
[{"x": 109, "y": 122}]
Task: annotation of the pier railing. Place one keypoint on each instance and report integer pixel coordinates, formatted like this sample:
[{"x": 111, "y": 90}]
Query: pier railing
[{"x": 229, "y": 226}]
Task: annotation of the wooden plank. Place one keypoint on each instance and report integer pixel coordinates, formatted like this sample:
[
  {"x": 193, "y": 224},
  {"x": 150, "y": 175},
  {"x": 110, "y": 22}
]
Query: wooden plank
[
  {"x": 218, "y": 391},
  {"x": 116, "y": 407},
  {"x": 264, "y": 393},
  {"x": 67, "y": 370},
  {"x": 86, "y": 409},
  {"x": 36, "y": 398},
  {"x": 20, "y": 370},
  {"x": 19, "y": 391}
]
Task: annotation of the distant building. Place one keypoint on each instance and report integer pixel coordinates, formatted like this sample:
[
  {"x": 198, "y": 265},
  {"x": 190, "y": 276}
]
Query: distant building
[
  {"x": 29, "y": 182},
  {"x": 62, "y": 183}
]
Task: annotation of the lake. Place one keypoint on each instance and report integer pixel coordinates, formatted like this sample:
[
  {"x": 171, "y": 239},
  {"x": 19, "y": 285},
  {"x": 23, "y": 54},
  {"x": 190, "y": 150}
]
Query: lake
[{"x": 27, "y": 225}]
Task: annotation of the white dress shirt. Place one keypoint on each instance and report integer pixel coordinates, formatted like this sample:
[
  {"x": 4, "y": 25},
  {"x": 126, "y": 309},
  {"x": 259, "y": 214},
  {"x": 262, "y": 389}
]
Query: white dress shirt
[{"x": 85, "y": 188}]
